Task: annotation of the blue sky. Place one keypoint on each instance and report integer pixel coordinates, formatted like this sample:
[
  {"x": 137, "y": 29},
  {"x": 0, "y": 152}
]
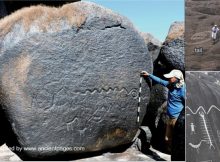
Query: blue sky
[{"x": 153, "y": 16}]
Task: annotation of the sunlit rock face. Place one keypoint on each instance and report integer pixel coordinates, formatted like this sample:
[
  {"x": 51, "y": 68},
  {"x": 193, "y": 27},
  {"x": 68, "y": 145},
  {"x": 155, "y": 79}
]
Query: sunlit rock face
[{"x": 70, "y": 78}]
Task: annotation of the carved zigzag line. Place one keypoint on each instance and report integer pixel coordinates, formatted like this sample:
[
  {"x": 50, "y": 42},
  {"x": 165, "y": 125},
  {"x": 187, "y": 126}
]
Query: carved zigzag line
[
  {"x": 110, "y": 89},
  {"x": 102, "y": 90},
  {"x": 106, "y": 90},
  {"x": 201, "y": 107}
]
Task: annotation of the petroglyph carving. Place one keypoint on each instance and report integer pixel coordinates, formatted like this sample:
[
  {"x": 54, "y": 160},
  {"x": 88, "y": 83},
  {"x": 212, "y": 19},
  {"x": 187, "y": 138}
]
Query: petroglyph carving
[
  {"x": 43, "y": 100},
  {"x": 218, "y": 134},
  {"x": 82, "y": 134},
  {"x": 134, "y": 93},
  {"x": 192, "y": 128},
  {"x": 202, "y": 109},
  {"x": 47, "y": 100},
  {"x": 101, "y": 111},
  {"x": 197, "y": 146},
  {"x": 70, "y": 125},
  {"x": 205, "y": 127},
  {"x": 199, "y": 38},
  {"x": 206, "y": 130}
]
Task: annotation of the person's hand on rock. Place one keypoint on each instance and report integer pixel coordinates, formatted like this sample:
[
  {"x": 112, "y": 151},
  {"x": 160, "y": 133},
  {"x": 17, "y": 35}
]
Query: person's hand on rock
[{"x": 145, "y": 74}]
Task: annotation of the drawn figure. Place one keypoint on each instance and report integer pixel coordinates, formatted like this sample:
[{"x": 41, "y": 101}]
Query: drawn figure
[
  {"x": 213, "y": 107},
  {"x": 196, "y": 146},
  {"x": 82, "y": 134},
  {"x": 102, "y": 109},
  {"x": 192, "y": 128},
  {"x": 218, "y": 133},
  {"x": 204, "y": 124},
  {"x": 72, "y": 124}
]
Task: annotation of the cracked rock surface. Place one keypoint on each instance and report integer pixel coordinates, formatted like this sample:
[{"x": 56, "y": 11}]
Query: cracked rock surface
[{"x": 70, "y": 79}]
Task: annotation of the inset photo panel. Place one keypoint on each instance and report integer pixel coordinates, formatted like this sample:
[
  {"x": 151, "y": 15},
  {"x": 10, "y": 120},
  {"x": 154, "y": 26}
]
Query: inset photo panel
[
  {"x": 203, "y": 117},
  {"x": 92, "y": 80},
  {"x": 202, "y": 46}
]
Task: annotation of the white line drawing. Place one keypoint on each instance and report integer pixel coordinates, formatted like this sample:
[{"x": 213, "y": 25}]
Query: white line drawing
[
  {"x": 201, "y": 108},
  {"x": 218, "y": 133},
  {"x": 198, "y": 145},
  {"x": 71, "y": 124},
  {"x": 207, "y": 139},
  {"x": 199, "y": 38},
  {"x": 206, "y": 130},
  {"x": 102, "y": 110},
  {"x": 82, "y": 131},
  {"x": 82, "y": 134},
  {"x": 192, "y": 128},
  {"x": 217, "y": 82},
  {"x": 206, "y": 161}
]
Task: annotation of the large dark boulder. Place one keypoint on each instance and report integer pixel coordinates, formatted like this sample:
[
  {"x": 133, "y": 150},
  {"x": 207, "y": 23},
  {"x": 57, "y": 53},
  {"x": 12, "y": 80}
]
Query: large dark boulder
[
  {"x": 172, "y": 51},
  {"x": 153, "y": 44},
  {"x": 178, "y": 143},
  {"x": 203, "y": 116},
  {"x": 70, "y": 80}
]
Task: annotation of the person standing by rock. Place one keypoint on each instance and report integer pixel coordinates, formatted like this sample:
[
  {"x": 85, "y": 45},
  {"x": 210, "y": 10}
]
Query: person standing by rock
[
  {"x": 175, "y": 101},
  {"x": 215, "y": 31}
]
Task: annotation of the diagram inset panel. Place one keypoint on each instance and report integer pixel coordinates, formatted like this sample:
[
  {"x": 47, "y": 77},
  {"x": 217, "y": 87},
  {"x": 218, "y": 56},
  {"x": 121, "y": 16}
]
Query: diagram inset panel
[{"x": 203, "y": 117}]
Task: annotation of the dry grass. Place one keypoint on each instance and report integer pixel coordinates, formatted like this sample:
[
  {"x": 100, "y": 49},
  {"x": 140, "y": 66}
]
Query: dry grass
[{"x": 43, "y": 16}]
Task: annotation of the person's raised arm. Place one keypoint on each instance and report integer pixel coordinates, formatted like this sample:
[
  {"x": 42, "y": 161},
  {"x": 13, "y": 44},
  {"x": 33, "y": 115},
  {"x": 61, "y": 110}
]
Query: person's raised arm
[{"x": 154, "y": 78}]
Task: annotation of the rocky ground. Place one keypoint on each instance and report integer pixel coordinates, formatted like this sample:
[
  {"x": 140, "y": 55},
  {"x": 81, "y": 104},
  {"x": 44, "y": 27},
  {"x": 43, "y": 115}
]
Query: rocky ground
[{"x": 200, "y": 18}]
